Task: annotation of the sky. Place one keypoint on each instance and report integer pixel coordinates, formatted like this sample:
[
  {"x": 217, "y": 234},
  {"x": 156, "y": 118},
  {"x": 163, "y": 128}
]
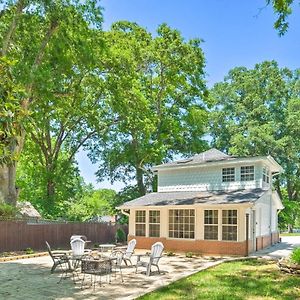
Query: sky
[{"x": 235, "y": 33}]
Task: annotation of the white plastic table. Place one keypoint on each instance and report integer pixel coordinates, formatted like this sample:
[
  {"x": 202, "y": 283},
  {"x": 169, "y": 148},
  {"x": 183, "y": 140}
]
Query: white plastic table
[{"x": 106, "y": 247}]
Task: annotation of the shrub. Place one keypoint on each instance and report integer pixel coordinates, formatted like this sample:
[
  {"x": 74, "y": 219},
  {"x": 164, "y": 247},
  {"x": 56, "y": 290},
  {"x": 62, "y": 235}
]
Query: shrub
[
  {"x": 189, "y": 254},
  {"x": 120, "y": 235},
  {"x": 29, "y": 251},
  {"x": 295, "y": 256},
  {"x": 7, "y": 211},
  {"x": 170, "y": 253}
]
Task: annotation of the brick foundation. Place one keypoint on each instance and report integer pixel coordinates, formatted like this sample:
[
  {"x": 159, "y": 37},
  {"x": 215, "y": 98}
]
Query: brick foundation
[
  {"x": 267, "y": 240},
  {"x": 203, "y": 247}
]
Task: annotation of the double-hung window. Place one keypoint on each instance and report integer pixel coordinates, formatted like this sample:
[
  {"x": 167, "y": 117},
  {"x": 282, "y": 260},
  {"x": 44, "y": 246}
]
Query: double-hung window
[
  {"x": 210, "y": 224},
  {"x": 247, "y": 173},
  {"x": 154, "y": 223},
  {"x": 228, "y": 174},
  {"x": 266, "y": 175},
  {"x": 229, "y": 225},
  {"x": 140, "y": 223},
  {"x": 182, "y": 223}
]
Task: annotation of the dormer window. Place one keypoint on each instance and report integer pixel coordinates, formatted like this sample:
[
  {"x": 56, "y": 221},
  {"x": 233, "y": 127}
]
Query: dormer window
[
  {"x": 266, "y": 175},
  {"x": 247, "y": 173},
  {"x": 228, "y": 174}
]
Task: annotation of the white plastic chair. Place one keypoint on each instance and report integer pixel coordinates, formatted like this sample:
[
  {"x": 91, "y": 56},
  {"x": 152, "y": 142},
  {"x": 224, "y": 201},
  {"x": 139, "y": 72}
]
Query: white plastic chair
[
  {"x": 77, "y": 246},
  {"x": 129, "y": 251},
  {"x": 155, "y": 255}
]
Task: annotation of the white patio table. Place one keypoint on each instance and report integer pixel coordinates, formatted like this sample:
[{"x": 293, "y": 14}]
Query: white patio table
[{"x": 106, "y": 247}]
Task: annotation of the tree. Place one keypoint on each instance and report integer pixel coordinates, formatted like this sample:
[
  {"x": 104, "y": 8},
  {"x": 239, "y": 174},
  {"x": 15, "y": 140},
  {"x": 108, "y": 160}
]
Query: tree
[
  {"x": 157, "y": 93},
  {"x": 34, "y": 34},
  {"x": 256, "y": 112},
  {"x": 32, "y": 179},
  {"x": 283, "y": 8},
  {"x": 93, "y": 204}
]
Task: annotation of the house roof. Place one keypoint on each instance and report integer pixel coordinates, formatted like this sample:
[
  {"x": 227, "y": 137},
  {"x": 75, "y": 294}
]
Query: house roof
[
  {"x": 215, "y": 156},
  {"x": 192, "y": 198}
]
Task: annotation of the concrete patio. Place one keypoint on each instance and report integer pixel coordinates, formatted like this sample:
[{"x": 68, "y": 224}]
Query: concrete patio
[{"x": 31, "y": 278}]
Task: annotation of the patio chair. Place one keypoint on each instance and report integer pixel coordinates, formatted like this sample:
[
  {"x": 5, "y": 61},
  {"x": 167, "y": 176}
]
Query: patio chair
[
  {"x": 154, "y": 257},
  {"x": 127, "y": 253},
  {"x": 116, "y": 259},
  {"x": 76, "y": 236},
  {"x": 59, "y": 258}
]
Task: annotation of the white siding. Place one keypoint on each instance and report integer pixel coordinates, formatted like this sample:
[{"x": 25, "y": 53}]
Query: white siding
[
  {"x": 205, "y": 179},
  {"x": 264, "y": 218}
]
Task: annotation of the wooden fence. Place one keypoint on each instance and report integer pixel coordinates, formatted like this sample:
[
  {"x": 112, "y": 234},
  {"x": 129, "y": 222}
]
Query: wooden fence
[{"x": 19, "y": 235}]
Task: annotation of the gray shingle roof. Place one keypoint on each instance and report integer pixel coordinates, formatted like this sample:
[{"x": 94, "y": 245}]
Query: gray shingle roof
[
  {"x": 191, "y": 198},
  {"x": 206, "y": 156}
]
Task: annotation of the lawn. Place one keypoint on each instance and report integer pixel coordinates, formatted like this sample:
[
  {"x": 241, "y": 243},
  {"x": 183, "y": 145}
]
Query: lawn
[
  {"x": 290, "y": 234},
  {"x": 250, "y": 279}
]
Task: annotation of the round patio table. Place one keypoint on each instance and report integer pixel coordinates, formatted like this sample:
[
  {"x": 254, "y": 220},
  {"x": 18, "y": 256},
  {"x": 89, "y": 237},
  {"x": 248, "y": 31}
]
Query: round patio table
[{"x": 106, "y": 247}]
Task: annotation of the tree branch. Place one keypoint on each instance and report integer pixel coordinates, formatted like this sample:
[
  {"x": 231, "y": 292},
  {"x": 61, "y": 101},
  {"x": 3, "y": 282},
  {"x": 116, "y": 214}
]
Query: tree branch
[{"x": 12, "y": 28}]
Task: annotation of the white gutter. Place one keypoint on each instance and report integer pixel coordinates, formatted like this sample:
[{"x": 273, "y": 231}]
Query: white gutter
[{"x": 125, "y": 212}]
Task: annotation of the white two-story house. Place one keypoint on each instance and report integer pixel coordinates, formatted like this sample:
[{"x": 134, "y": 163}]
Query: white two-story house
[{"x": 211, "y": 203}]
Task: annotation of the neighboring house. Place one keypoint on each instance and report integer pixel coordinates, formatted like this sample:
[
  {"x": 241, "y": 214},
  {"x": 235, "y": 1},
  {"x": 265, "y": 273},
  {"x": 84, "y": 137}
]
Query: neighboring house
[{"x": 211, "y": 203}]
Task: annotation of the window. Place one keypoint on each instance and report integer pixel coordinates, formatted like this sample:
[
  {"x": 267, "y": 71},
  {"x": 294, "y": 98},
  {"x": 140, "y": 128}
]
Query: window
[
  {"x": 154, "y": 223},
  {"x": 140, "y": 223},
  {"x": 229, "y": 225},
  {"x": 266, "y": 175},
  {"x": 228, "y": 174},
  {"x": 210, "y": 224},
  {"x": 182, "y": 223},
  {"x": 247, "y": 173}
]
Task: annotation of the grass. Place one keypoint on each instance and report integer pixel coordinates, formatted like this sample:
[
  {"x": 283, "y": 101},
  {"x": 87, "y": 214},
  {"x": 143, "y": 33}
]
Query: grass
[
  {"x": 290, "y": 234},
  {"x": 240, "y": 280}
]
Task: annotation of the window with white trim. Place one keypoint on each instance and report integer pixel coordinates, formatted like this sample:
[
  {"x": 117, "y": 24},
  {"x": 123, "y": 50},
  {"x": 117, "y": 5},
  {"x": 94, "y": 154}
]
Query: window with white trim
[
  {"x": 247, "y": 173},
  {"x": 228, "y": 174},
  {"x": 140, "y": 223},
  {"x": 210, "y": 224},
  {"x": 266, "y": 175},
  {"x": 229, "y": 225},
  {"x": 182, "y": 223},
  {"x": 154, "y": 223}
]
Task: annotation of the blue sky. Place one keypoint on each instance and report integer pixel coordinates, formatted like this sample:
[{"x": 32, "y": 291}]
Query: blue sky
[{"x": 235, "y": 33}]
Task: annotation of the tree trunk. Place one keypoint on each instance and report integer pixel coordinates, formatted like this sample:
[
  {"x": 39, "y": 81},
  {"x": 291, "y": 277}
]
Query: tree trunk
[
  {"x": 140, "y": 181},
  {"x": 50, "y": 191},
  {"x": 8, "y": 190}
]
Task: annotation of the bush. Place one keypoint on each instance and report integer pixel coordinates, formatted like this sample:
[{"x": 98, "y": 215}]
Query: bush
[
  {"x": 170, "y": 253},
  {"x": 29, "y": 251},
  {"x": 295, "y": 256},
  {"x": 189, "y": 254},
  {"x": 7, "y": 211},
  {"x": 120, "y": 236}
]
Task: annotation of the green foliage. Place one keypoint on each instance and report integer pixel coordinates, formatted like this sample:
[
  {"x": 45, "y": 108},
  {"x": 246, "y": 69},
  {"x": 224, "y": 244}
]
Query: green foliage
[
  {"x": 12, "y": 115},
  {"x": 256, "y": 112},
  {"x": 95, "y": 203},
  {"x": 7, "y": 211},
  {"x": 32, "y": 180},
  {"x": 283, "y": 8},
  {"x": 170, "y": 253},
  {"x": 29, "y": 251},
  {"x": 120, "y": 235},
  {"x": 156, "y": 91},
  {"x": 189, "y": 254},
  {"x": 289, "y": 217},
  {"x": 295, "y": 256}
]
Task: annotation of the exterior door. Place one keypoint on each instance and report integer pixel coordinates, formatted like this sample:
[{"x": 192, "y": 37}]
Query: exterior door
[{"x": 253, "y": 225}]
